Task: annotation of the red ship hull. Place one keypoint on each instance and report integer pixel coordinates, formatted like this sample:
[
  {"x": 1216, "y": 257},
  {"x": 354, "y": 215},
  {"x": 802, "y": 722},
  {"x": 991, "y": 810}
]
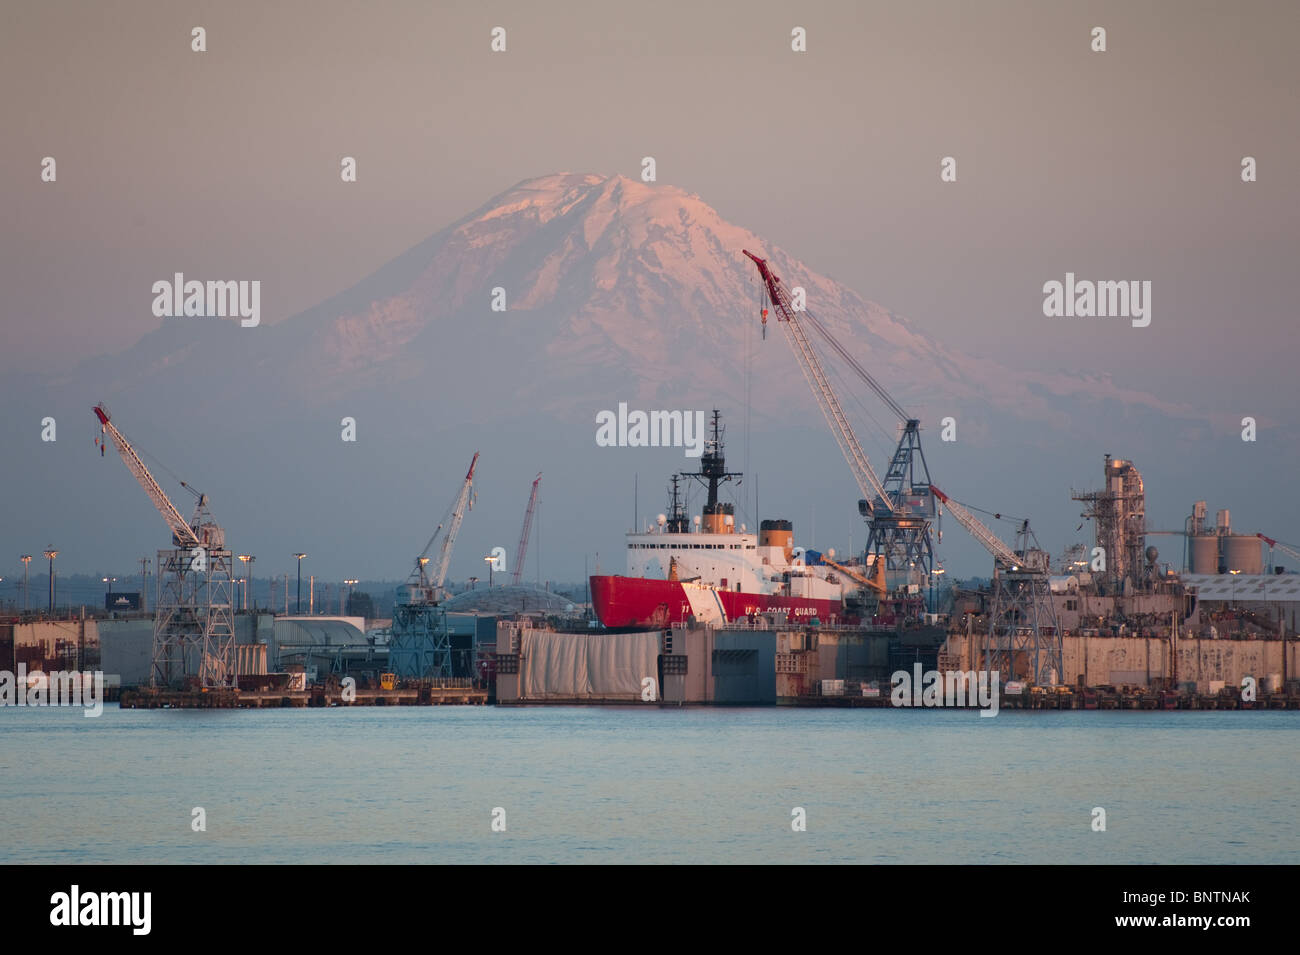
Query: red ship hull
[{"x": 643, "y": 602}]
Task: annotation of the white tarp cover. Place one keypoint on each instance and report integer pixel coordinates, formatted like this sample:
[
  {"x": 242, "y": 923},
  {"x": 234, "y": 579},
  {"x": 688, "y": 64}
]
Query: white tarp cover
[{"x": 591, "y": 666}]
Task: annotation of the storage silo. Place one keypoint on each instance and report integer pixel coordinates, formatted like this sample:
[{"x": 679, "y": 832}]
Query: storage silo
[
  {"x": 1244, "y": 553},
  {"x": 1205, "y": 554}
]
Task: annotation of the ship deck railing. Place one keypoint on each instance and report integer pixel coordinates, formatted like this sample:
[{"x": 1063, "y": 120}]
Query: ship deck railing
[{"x": 762, "y": 624}]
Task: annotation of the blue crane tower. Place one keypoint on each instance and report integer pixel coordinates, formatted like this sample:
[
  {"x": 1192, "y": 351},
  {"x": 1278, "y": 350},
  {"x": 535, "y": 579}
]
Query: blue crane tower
[{"x": 419, "y": 647}]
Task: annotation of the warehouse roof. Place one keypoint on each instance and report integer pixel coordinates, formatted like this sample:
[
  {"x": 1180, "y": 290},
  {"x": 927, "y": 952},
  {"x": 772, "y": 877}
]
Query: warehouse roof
[
  {"x": 1244, "y": 586},
  {"x": 319, "y": 631},
  {"x": 508, "y": 600}
]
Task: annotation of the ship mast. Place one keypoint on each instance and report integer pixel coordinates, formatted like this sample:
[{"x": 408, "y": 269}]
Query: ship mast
[
  {"x": 713, "y": 472},
  {"x": 678, "y": 523}
]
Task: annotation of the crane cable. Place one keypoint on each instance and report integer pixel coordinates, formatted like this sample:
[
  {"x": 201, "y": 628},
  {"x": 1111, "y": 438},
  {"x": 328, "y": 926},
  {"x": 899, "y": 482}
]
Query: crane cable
[{"x": 994, "y": 514}]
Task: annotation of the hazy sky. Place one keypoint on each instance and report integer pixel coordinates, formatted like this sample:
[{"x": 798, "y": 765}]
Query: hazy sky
[
  {"x": 1116, "y": 165},
  {"x": 1123, "y": 164}
]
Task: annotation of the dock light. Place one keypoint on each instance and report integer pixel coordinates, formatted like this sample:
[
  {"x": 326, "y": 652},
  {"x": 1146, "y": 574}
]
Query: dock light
[
  {"x": 50, "y": 554},
  {"x": 248, "y": 574},
  {"x": 491, "y": 562},
  {"x": 26, "y": 559}
]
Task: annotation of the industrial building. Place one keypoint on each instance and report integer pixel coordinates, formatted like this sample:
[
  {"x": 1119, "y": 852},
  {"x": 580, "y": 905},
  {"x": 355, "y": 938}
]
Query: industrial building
[
  {"x": 320, "y": 646},
  {"x": 1215, "y": 549}
]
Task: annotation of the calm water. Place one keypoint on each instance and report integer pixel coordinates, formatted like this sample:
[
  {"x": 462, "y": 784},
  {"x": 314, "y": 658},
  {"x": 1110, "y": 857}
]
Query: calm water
[{"x": 647, "y": 785}]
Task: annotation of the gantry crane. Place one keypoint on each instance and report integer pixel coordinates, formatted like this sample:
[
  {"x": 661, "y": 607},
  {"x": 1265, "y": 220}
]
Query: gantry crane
[
  {"x": 1022, "y": 621},
  {"x": 420, "y": 644},
  {"x": 194, "y": 626},
  {"x": 522, "y": 551},
  {"x": 898, "y": 509}
]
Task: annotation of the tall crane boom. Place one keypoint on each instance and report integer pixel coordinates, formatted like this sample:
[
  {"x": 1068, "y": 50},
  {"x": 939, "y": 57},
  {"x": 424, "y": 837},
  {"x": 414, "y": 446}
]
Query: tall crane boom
[
  {"x": 522, "y": 550},
  {"x": 856, "y": 365},
  {"x": 449, "y": 539},
  {"x": 869, "y": 485},
  {"x": 182, "y": 533},
  {"x": 992, "y": 543}
]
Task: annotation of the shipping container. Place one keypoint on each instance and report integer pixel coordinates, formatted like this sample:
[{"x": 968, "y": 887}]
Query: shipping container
[{"x": 832, "y": 687}]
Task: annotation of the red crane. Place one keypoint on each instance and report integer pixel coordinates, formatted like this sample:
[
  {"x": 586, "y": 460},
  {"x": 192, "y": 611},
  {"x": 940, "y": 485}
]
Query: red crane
[
  {"x": 1284, "y": 548},
  {"x": 522, "y": 550}
]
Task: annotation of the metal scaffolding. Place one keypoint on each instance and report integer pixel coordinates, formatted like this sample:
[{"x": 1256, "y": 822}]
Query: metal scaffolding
[
  {"x": 194, "y": 618},
  {"x": 420, "y": 645},
  {"x": 1023, "y": 632}
]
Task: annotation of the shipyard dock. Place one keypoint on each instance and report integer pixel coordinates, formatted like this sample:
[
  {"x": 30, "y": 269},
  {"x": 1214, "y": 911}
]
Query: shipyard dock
[
  {"x": 855, "y": 667},
  {"x": 1071, "y": 698},
  {"x": 223, "y": 698}
]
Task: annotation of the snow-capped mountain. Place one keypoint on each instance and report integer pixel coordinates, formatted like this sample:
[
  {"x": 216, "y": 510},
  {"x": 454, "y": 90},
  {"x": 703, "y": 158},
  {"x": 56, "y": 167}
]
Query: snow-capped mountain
[{"x": 611, "y": 282}]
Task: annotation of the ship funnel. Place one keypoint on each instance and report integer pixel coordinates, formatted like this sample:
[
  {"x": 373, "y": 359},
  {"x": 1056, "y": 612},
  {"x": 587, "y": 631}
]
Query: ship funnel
[{"x": 776, "y": 533}]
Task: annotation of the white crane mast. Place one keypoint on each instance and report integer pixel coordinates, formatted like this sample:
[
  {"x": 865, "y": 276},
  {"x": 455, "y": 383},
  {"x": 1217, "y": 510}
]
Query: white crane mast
[
  {"x": 182, "y": 533},
  {"x": 522, "y": 550},
  {"x": 449, "y": 539},
  {"x": 868, "y": 484}
]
